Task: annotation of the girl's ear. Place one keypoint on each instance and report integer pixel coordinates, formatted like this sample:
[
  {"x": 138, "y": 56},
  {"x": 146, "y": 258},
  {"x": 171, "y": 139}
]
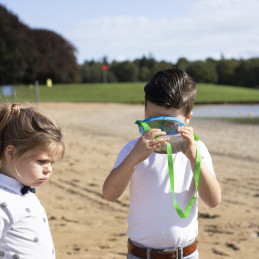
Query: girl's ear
[
  {"x": 10, "y": 152},
  {"x": 188, "y": 118}
]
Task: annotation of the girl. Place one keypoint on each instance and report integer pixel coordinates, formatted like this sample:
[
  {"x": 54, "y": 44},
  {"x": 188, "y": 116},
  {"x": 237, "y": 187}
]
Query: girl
[{"x": 30, "y": 143}]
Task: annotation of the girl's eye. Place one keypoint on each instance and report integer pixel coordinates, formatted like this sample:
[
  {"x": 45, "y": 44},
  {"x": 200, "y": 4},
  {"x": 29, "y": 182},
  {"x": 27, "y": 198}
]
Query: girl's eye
[
  {"x": 42, "y": 161},
  {"x": 45, "y": 162}
]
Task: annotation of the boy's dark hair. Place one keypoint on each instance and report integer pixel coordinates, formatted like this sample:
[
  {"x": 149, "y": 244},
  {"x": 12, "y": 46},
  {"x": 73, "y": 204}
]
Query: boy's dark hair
[{"x": 171, "y": 88}]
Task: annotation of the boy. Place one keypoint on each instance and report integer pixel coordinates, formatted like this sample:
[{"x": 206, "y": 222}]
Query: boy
[{"x": 154, "y": 228}]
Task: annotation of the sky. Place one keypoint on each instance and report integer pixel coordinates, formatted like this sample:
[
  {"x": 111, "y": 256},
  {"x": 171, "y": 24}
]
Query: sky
[{"x": 165, "y": 29}]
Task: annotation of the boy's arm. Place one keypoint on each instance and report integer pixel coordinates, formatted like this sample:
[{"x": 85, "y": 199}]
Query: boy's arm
[
  {"x": 208, "y": 188},
  {"x": 118, "y": 179}
]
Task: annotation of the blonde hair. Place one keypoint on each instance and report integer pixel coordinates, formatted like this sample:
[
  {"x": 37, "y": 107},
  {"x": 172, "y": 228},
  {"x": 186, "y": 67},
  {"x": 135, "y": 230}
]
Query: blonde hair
[{"x": 28, "y": 128}]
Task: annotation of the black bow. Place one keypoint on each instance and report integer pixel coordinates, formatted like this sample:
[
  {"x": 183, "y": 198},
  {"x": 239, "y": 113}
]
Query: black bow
[{"x": 26, "y": 189}]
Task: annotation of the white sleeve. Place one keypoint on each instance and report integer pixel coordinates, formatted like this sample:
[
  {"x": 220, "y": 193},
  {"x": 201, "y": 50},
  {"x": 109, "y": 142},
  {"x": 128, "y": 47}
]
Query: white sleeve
[
  {"x": 124, "y": 152},
  {"x": 206, "y": 157},
  {"x": 6, "y": 220}
]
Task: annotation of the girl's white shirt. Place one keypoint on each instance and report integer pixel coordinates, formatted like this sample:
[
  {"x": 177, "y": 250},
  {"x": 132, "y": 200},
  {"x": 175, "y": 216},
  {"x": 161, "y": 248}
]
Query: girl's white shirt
[
  {"x": 24, "y": 227},
  {"x": 152, "y": 219}
]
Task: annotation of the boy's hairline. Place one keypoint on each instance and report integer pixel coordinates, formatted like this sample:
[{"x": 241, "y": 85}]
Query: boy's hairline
[{"x": 181, "y": 110}]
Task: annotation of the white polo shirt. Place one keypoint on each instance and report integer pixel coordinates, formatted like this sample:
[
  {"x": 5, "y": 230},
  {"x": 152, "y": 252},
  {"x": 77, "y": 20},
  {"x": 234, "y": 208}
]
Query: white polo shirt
[
  {"x": 152, "y": 219},
  {"x": 24, "y": 228}
]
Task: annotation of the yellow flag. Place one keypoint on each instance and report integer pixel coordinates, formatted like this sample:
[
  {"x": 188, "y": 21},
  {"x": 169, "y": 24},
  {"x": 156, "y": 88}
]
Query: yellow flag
[{"x": 49, "y": 82}]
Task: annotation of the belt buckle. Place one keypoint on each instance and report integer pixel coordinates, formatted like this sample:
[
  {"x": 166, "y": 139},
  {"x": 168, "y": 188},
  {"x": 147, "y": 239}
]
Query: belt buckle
[{"x": 177, "y": 251}]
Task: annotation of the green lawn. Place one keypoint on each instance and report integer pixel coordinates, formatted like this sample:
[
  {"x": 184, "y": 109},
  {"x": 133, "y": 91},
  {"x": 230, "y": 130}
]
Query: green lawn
[
  {"x": 250, "y": 121},
  {"x": 209, "y": 93},
  {"x": 129, "y": 93}
]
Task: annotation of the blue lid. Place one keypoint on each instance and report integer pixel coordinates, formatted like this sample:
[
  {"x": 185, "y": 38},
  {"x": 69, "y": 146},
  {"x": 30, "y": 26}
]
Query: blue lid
[
  {"x": 165, "y": 123},
  {"x": 164, "y": 118}
]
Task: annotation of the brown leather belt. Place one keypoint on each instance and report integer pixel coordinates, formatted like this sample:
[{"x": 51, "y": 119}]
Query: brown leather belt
[{"x": 158, "y": 254}]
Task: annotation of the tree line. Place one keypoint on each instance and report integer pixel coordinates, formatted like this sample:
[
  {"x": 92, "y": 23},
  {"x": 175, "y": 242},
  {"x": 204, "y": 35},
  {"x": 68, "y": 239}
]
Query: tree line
[
  {"x": 27, "y": 55},
  {"x": 224, "y": 71}
]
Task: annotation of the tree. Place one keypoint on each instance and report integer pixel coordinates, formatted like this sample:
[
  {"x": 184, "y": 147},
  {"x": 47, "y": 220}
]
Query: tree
[
  {"x": 56, "y": 58},
  {"x": 226, "y": 71},
  {"x": 125, "y": 71},
  {"x": 144, "y": 74},
  {"x": 202, "y": 72},
  {"x": 147, "y": 67},
  {"x": 91, "y": 72},
  {"x": 27, "y": 55},
  {"x": 12, "y": 60},
  {"x": 247, "y": 72},
  {"x": 182, "y": 63}
]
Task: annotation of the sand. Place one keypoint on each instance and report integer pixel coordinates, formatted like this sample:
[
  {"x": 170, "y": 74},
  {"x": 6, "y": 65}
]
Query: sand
[{"x": 84, "y": 225}]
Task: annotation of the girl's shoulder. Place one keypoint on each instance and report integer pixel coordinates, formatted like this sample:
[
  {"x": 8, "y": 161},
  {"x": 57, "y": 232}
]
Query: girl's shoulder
[{"x": 14, "y": 206}]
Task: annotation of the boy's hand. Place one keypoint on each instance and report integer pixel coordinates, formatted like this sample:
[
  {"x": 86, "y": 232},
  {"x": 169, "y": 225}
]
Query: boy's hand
[
  {"x": 187, "y": 133},
  {"x": 208, "y": 187},
  {"x": 147, "y": 144}
]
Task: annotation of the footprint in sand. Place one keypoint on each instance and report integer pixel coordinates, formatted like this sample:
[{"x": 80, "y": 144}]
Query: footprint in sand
[
  {"x": 215, "y": 251},
  {"x": 207, "y": 216},
  {"x": 232, "y": 246}
]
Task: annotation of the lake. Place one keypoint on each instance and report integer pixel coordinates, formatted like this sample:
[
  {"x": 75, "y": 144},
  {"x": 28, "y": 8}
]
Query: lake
[{"x": 227, "y": 111}]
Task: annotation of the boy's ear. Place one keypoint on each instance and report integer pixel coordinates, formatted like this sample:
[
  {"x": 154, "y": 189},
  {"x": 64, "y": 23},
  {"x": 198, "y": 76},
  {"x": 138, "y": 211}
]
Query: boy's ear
[
  {"x": 188, "y": 118},
  {"x": 10, "y": 152}
]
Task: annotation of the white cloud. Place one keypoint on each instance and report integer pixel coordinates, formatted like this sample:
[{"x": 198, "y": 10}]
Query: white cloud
[{"x": 210, "y": 28}]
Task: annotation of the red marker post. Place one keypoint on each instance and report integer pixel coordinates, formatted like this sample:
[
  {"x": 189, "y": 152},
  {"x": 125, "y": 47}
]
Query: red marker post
[{"x": 104, "y": 69}]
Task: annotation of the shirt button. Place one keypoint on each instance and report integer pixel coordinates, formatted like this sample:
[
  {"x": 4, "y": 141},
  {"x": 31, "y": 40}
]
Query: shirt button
[
  {"x": 28, "y": 210},
  {"x": 16, "y": 256},
  {"x": 4, "y": 205},
  {"x": 36, "y": 239},
  {"x": 2, "y": 253}
]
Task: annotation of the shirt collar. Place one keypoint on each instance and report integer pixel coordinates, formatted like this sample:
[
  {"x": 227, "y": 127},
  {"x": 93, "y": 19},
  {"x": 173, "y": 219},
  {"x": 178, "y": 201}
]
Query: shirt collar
[{"x": 10, "y": 183}]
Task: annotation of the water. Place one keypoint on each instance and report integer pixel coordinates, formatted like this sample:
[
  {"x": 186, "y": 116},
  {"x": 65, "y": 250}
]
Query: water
[{"x": 227, "y": 111}]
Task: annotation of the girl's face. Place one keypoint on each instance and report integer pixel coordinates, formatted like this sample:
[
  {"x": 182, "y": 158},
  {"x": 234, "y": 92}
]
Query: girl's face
[{"x": 32, "y": 168}]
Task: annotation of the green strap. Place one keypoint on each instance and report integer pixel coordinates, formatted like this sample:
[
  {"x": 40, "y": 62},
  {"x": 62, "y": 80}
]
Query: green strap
[
  {"x": 145, "y": 126},
  {"x": 182, "y": 214},
  {"x": 171, "y": 177},
  {"x": 196, "y": 137}
]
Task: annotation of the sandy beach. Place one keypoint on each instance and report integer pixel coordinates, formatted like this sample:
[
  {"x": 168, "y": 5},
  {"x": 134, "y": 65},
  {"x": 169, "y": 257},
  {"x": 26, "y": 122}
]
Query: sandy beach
[{"x": 84, "y": 225}]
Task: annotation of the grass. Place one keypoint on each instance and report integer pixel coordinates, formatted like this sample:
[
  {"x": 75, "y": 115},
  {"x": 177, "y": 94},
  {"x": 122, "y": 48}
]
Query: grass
[
  {"x": 245, "y": 121},
  {"x": 130, "y": 93},
  {"x": 250, "y": 121},
  {"x": 209, "y": 93},
  {"x": 117, "y": 93}
]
